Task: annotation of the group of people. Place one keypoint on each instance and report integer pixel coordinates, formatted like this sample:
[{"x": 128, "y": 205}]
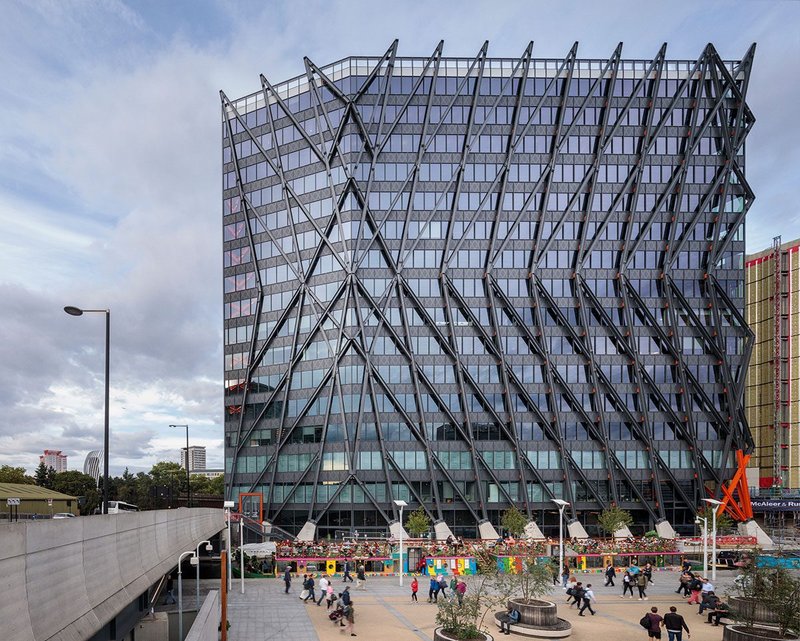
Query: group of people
[
  {"x": 439, "y": 585},
  {"x": 343, "y": 612}
]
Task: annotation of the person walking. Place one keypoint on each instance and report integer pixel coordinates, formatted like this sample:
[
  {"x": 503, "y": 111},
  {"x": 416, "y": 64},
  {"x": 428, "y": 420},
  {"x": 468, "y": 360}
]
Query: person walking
[
  {"x": 287, "y": 578},
  {"x": 309, "y": 585},
  {"x": 588, "y": 597},
  {"x": 648, "y": 572},
  {"x": 323, "y": 588},
  {"x": 577, "y": 594},
  {"x": 695, "y": 587},
  {"x": 346, "y": 568},
  {"x": 453, "y": 585},
  {"x": 627, "y": 584},
  {"x": 350, "y": 617},
  {"x": 443, "y": 586},
  {"x": 654, "y": 620},
  {"x": 346, "y": 596},
  {"x": 461, "y": 590},
  {"x": 610, "y": 574},
  {"x": 433, "y": 590},
  {"x": 414, "y": 590},
  {"x": 683, "y": 586},
  {"x": 361, "y": 577},
  {"x": 170, "y": 596},
  {"x": 674, "y": 624},
  {"x": 564, "y": 576},
  {"x": 331, "y": 596},
  {"x": 641, "y": 584}
]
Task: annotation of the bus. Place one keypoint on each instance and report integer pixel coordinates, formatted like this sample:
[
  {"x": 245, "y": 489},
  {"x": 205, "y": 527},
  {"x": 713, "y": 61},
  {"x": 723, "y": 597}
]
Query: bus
[{"x": 119, "y": 507}]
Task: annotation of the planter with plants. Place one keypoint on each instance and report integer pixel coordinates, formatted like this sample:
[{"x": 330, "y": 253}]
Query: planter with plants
[
  {"x": 764, "y": 604},
  {"x": 466, "y": 621}
]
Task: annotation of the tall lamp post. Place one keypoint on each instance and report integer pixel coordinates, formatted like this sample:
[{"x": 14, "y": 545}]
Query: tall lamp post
[
  {"x": 561, "y": 503},
  {"x": 188, "y": 485},
  {"x": 180, "y": 590},
  {"x": 197, "y": 572},
  {"x": 714, "y": 503},
  {"x": 77, "y": 311},
  {"x": 228, "y": 505},
  {"x": 401, "y": 504},
  {"x": 697, "y": 520}
]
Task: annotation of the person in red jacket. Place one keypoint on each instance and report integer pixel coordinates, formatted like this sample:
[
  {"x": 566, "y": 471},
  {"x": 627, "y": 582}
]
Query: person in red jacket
[{"x": 414, "y": 589}]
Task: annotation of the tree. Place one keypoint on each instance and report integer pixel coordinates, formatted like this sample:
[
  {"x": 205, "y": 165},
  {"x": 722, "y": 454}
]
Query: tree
[
  {"x": 724, "y": 522},
  {"x": 513, "y": 521},
  {"x": 45, "y": 476},
  {"x": 10, "y": 474},
  {"x": 614, "y": 518},
  {"x": 217, "y": 486},
  {"x": 78, "y": 484},
  {"x": 418, "y": 522}
]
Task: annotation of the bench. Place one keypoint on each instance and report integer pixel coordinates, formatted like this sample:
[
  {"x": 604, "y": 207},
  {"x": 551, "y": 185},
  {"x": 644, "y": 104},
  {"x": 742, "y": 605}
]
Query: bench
[{"x": 560, "y": 631}]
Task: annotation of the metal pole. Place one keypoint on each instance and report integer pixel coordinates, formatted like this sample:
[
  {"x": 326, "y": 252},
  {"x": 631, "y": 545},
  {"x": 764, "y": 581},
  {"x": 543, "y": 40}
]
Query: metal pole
[
  {"x": 241, "y": 551},
  {"x": 180, "y": 595},
  {"x": 106, "y": 424},
  {"x": 197, "y": 575},
  {"x": 714, "y": 544},
  {"x": 705, "y": 545},
  {"x": 229, "y": 550},
  {"x": 188, "y": 481},
  {"x": 561, "y": 540},
  {"x": 401, "y": 546}
]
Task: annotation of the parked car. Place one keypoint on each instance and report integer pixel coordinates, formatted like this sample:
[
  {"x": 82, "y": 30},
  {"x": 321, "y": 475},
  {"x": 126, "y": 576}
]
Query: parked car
[{"x": 63, "y": 515}]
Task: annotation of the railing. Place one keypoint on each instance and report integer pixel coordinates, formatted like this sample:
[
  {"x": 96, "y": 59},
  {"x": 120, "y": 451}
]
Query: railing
[{"x": 206, "y": 623}]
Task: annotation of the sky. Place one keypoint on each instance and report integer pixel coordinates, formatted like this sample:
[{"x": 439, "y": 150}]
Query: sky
[{"x": 110, "y": 177}]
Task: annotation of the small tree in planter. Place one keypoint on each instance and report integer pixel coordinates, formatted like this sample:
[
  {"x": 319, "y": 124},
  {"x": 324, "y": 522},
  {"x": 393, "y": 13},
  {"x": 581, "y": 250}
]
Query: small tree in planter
[
  {"x": 418, "y": 523},
  {"x": 526, "y": 589},
  {"x": 614, "y": 518},
  {"x": 513, "y": 521},
  {"x": 765, "y": 602}
]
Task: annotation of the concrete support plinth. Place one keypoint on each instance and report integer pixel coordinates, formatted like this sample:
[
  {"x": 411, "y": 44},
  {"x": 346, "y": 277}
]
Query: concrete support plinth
[
  {"x": 575, "y": 529},
  {"x": 622, "y": 533},
  {"x": 664, "y": 529},
  {"x": 442, "y": 530},
  {"x": 532, "y": 531},
  {"x": 395, "y": 529},
  {"x": 751, "y": 528},
  {"x": 308, "y": 531},
  {"x": 486, "y": 531}
]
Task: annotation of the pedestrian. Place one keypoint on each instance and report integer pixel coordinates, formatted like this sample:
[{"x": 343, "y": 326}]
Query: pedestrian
[
  {"x": 648, "y": 572},
  {"x": 345, "y": 596},
  {"x": 641, "y": 584},
  {"x": 433, "y": 590},
  {"x": 653, "y": 623},
  {"x": 323, "y": 588},
  {"x": 686, "y": 566},
  {"x": 414, "y": 590},
  {"x": 627, "y": 584},
  {"x": 564, "y": 576},
  {"x": 350, "y": 617},
  {"x": 461, "y": 590},
  {"x": 610, "y": 573},
  {"x": 453, "y": 586},
  {"x": 695, "y": 587},
  {"x": 361, "y": 577},
  {"x": 708, "y": 601},
  {"x": 707, "y": 586},
  {"x": 675, "y": 625},
  {"x": 588, "y": 597},
  {"x": 507, "y": 618},
  {"x": 346, "y": 568},
  {"x": 309, "y": 585},
  {"x": 170, "y": 596},
  {"x": 443, "y": 586},
  {"x": 577, "y": 594},
  {"x": 683, "y": 586},
  {"x": 331, "y": 594},
  {"x": 722, "y": 610},
  {"x": 287, "y": 578}
]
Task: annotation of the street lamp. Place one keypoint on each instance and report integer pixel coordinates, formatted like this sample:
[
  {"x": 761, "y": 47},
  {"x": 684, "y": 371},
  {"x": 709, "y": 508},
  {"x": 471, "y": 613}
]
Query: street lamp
[
  {"x": 714, "y": 507},
  {"x": 77, "y": 311},
  {"x": 561, "y": 503},
  {"x": 188, "y": 486},
  {"x": 180, "y": 590},
  {"x": 697, "y": 520},
  {"x": 401, "y": 504},
  {"x": 197, "y": 572}
]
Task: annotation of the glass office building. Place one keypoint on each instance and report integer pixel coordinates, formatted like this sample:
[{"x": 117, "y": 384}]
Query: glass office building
[{"x": 472, "y": 283}]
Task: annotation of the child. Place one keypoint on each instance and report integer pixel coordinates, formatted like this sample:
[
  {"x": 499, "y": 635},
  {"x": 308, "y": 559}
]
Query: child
[{"x": 414, "y": 588}]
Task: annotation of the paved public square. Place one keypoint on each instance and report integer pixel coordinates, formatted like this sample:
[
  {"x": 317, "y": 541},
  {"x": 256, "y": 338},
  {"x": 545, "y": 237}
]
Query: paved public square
[{"x": 384, "y": 611}]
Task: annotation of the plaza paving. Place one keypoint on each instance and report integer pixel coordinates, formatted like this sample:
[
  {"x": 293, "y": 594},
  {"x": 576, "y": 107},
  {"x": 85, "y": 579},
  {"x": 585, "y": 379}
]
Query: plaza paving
[{"x": 384, "y": 612}]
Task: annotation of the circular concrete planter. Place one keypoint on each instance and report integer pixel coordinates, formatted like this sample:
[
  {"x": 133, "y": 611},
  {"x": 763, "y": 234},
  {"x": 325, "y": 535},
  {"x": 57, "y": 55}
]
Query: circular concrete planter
[
  {"x": 439, "y": 634},
  {"x": 738, "y": 632},
  {"x": 746, "y": 609},
  {"x": 542, "y": 614}
]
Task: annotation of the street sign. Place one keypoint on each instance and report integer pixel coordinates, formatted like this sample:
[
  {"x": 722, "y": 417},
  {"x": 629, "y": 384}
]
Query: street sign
[{"x": 13, "y": 501}]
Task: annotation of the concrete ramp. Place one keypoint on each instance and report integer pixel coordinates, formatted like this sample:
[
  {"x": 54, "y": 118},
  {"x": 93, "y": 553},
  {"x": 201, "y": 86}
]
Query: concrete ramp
[{"x": 63, "y": 580}]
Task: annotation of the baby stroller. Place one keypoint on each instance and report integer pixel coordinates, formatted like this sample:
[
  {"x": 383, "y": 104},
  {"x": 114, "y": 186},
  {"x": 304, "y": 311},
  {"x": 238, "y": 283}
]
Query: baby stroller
[{"x": 337, "y": 614}]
